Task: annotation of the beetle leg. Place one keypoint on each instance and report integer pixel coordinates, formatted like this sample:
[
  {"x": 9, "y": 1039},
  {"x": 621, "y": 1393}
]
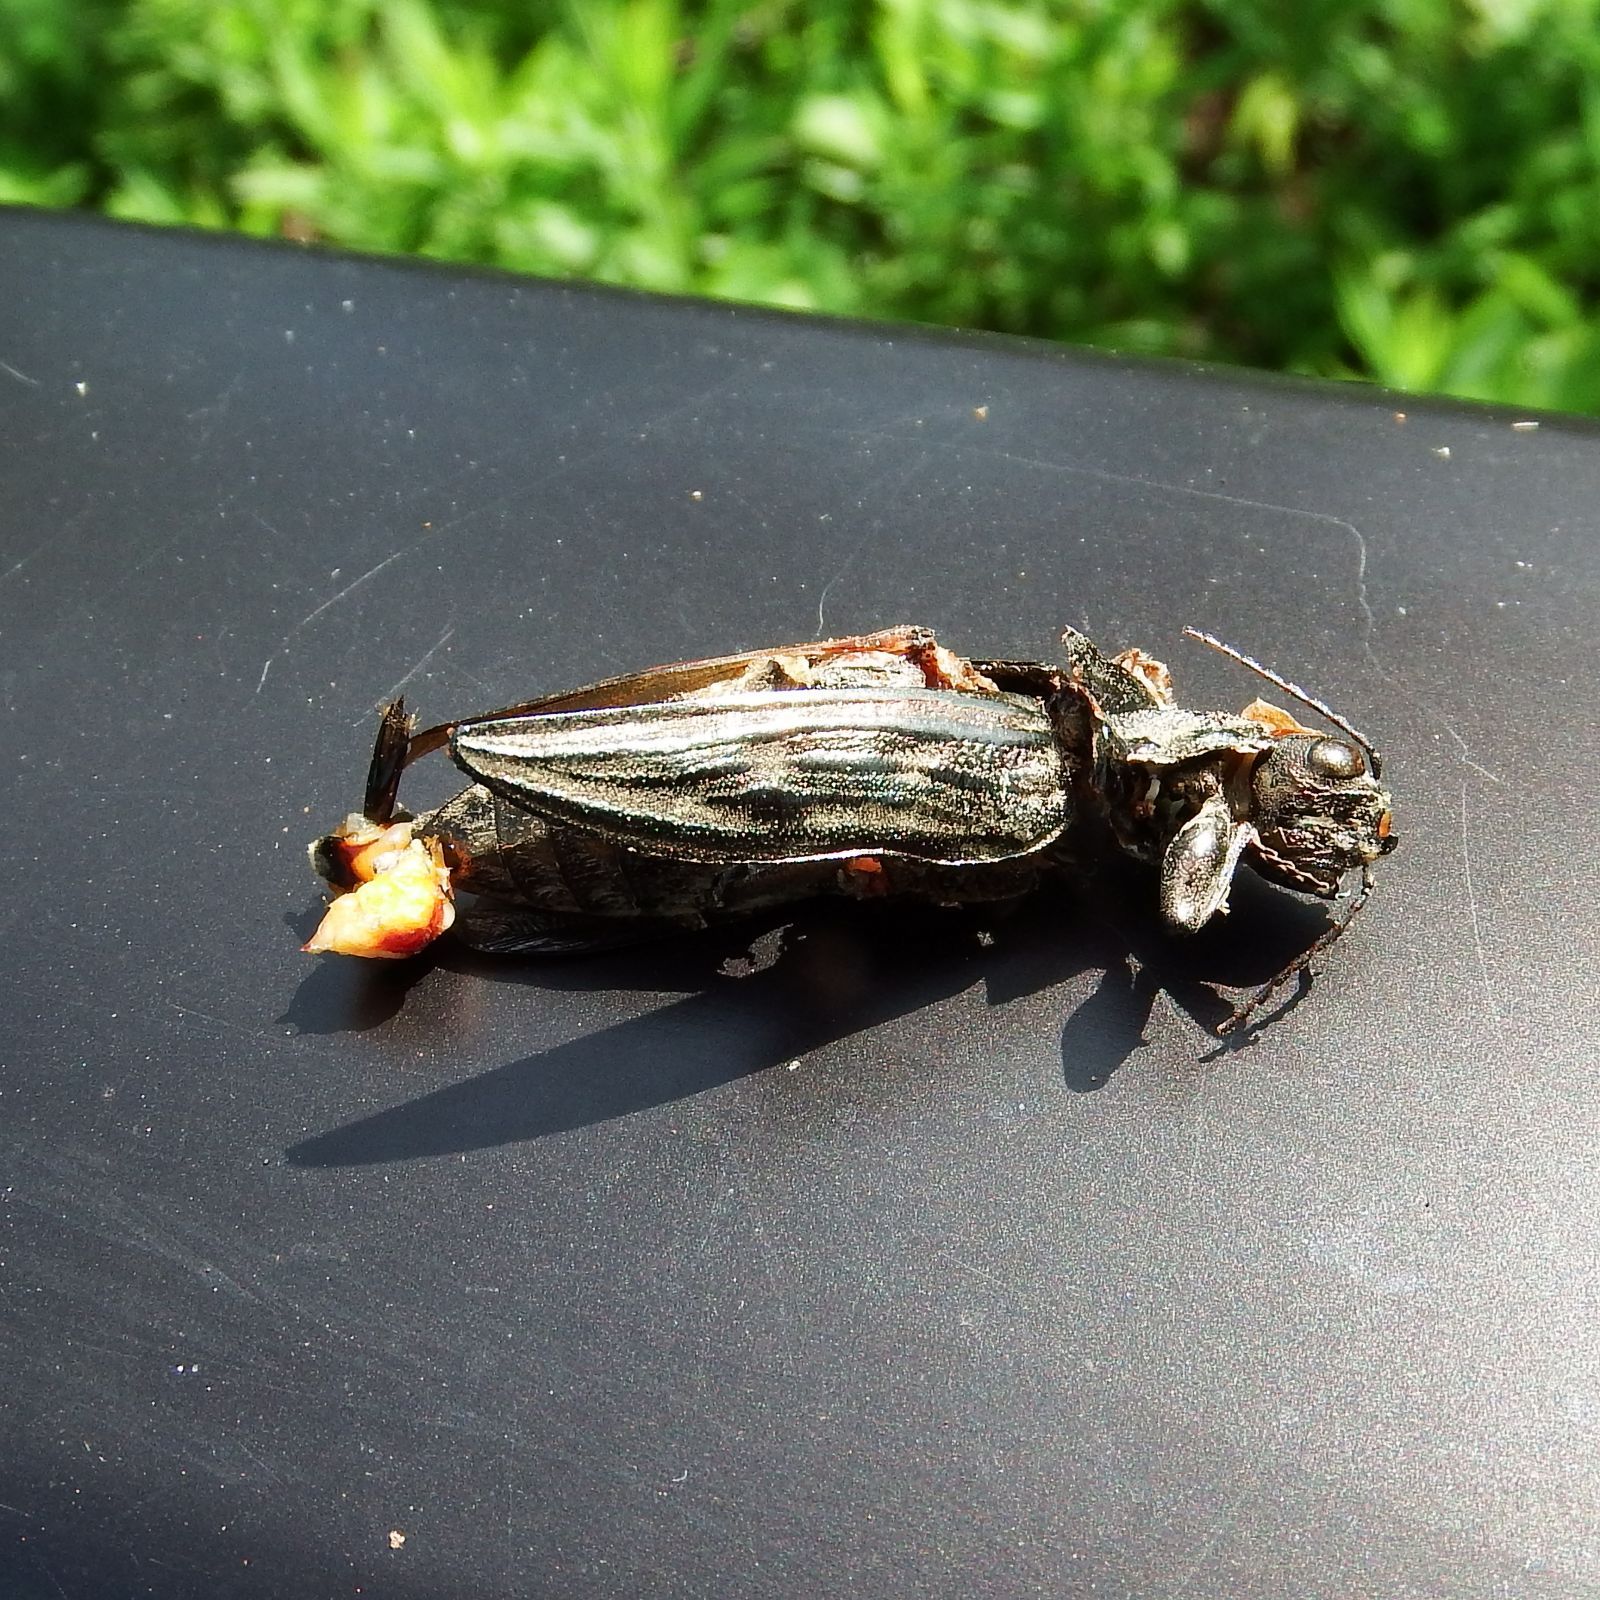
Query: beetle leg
[
  {"x": 1198, "y": 864},
  {"x": 1246, "y": 1009}
]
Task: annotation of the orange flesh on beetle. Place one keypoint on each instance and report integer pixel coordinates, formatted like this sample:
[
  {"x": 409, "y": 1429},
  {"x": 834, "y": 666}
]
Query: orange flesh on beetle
[
  {"x": 1151, "y": 673},
  {"x": 401, "y": 905},
  {"x": 372, "y": 849},
  {"x": 1273, "y": 718}
]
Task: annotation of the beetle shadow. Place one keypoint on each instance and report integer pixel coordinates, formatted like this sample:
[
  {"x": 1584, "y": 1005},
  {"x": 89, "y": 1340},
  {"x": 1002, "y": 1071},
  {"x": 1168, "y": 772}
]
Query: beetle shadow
[
  {"x": 1246, "y": 950},
  {"x": 770, "y": 991},
  {"x": 341, "y": 996}
]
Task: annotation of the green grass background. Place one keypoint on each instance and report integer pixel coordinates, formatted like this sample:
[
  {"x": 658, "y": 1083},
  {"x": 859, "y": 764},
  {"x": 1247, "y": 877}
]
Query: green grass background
[{"x": 1407, "y": 190}]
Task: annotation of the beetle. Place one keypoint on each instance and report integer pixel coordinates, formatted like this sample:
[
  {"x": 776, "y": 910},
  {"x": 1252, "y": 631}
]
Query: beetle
[{"x": 877, "y": 765}]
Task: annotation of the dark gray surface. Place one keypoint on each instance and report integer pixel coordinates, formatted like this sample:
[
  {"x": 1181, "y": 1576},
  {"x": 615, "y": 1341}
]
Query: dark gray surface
[{"x": 909, "y": 1264}]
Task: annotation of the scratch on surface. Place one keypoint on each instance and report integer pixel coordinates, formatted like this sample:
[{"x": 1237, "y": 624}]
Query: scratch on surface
[
  {"x": 327, "y": 605},
  {"x": 44, "y": 1568},
  {"x": 508, "y": 1546},
  {"x": 156, "y": 553},
  {"x": 21, "y": 377},
  {"x": 568, "y": 465},
  {"x": 388, "y": 695},
  {"x": 1368, "y": 621},
  {"x": 827, "y": 588},
  {"x": 98, "y": 1208},
  {"x": 137, "y": 1229},
  {"x": 483, "y": 508},
  {"x": 265, "y": 1468},
  {"x": 349, "y": 588},
  {"x": 218, "y": 1022},
  {"x": 1460, "y": 743},
  {"x": 898, "y": 473},
  {"x": 214, "y": 412},
  {"x": 1073, "y": 469},
  {"x": 17, "y": 566},
  {"x": 1472, "y": 908},
  {"x": 974, "y": 1269},
  {"x": 472, "y": 677},
  {"x": 1363, "y": 599}
]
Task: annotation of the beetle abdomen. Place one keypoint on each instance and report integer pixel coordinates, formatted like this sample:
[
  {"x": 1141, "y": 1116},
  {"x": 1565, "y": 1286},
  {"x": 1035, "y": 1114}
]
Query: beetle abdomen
[{"x": 543, "y": 879}]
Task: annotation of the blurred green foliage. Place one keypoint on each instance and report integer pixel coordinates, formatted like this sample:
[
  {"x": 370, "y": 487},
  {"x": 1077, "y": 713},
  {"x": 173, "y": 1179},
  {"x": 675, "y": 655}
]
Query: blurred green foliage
[{"x": 1403, "y": 189}]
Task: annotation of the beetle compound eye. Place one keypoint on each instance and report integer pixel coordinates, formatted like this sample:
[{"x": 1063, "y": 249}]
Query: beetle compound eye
[{"x": 1333, "y": 758}]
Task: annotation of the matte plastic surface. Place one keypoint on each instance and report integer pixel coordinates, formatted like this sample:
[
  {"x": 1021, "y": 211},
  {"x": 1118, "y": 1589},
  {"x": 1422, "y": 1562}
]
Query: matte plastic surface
[{"x": 897, "y": 1255}]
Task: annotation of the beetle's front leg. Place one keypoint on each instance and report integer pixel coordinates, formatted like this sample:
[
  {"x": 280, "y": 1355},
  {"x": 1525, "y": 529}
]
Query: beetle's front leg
[{"x": 1198, "y": 864}]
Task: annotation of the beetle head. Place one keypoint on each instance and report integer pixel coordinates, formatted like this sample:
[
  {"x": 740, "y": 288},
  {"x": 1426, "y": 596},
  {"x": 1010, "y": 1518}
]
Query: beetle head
[{"x": 1318, "y": 812}]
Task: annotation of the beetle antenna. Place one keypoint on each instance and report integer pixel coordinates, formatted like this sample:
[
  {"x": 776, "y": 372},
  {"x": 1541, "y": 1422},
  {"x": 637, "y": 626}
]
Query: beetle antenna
[
  {"x": 1321, "y": 707},
  {"x": 1243, "y": 1012}
]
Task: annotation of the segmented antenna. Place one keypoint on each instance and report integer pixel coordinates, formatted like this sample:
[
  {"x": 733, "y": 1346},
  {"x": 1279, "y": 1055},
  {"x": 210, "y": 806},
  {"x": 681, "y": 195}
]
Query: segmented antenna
[{"x": 1321, "y": 707}]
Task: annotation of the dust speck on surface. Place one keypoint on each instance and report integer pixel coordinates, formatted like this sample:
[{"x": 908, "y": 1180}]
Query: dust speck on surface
[
  {"x": 81, "y": 387},
  {"x": 697, "y": 494},
  {"x": 396, "y": 1538},
  {"x": 1399, "y": 416},
  {"x": 1524, "y": 427},
  {"x": 1442, "y": 451},
  {"x": 981, "y": 413}
]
